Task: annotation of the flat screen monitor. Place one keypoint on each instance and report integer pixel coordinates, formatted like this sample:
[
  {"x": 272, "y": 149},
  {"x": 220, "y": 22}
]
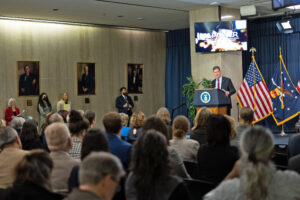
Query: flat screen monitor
[
  {"x": 284, "y": 3},
  {"x": 221, "y": 36}
]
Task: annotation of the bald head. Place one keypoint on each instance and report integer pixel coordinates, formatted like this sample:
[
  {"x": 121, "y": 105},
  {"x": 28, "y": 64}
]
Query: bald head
[
  {"x": 58, "y": 137},
  {"x": 55, "y": 118}
]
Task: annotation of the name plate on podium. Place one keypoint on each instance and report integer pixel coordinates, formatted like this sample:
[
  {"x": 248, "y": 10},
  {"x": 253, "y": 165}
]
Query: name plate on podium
[{"x": 210, "y": 98}]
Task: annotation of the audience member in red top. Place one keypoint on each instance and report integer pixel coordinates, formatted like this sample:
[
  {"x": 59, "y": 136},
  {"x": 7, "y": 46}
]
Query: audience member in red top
[{"x": 11, "y": 110}]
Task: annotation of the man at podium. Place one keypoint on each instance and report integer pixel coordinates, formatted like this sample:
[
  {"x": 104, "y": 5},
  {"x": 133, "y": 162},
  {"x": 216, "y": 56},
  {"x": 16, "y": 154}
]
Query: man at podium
[{"x": 223, "y": 83}]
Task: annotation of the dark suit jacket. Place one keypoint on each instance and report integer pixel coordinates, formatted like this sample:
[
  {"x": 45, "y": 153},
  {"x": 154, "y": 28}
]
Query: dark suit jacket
[
  {"x": 226, "y": 85},
  {"x": 25, "y": 82},
  {"x": 120, "y": 149},
  {"x": 294, "y": 163},
  {"x": 120, "y": 101}
]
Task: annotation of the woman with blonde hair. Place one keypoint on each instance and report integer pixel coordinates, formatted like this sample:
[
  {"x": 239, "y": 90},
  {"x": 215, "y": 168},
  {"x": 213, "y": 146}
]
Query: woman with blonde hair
[
  {"x": 198, "y": 132},
  {"x": 163, "y": 114},
  {"x": 186, "y": 148},
  {"x": 254, "y": 176},
  {"x": 64, "y": 103},
  {"x": 137, "y": 121},
  {"x": 11, "y": 111}
]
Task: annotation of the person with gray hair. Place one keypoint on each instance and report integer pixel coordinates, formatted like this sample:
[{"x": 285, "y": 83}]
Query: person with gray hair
[
  {"x": 254, "y": 176},
  {"x": 11, "y": 154},
  {"x": 99, "y": 176},
  {"x": 59, "y": 142},
  {"x": 17, "y": 124},
  {"x": 91, "y": 117},
  {"x": 11, "y": 111}
]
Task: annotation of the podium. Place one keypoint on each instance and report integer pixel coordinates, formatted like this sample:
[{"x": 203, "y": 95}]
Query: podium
[{"x": 214, "y": 99}]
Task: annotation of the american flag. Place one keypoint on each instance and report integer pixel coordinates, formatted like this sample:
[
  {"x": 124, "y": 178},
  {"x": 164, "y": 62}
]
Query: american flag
[
  {"x": 298, "y": 87},
  {"x": 255, "y": 95}
]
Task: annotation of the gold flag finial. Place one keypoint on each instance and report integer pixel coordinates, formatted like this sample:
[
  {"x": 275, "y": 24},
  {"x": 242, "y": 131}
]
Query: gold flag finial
[
  {"x": 252, "y": 50},
  {"x": 280, "y": 50}
]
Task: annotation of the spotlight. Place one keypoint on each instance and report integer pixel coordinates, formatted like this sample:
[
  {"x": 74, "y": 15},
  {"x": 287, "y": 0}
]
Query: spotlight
[{"x": 285, "y": 26}]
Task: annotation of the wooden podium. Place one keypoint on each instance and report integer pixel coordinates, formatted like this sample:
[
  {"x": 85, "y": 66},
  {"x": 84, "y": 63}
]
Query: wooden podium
[{"x": 214, "y": 99}]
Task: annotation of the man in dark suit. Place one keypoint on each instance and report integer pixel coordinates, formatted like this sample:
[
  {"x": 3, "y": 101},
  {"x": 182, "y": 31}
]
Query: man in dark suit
[
  {"x": 113, "y": 124},
  {"x": 223, "y": 83},
  {"x": 87, "y": 81},
  {"x": 28, "y": 83},
  {"x": 124, "y": 102}
]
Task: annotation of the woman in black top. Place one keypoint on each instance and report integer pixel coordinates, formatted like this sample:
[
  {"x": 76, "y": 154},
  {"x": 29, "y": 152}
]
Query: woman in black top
[
  {"x": 216, "y": 159},
  {"x": 29, "y": 135}
]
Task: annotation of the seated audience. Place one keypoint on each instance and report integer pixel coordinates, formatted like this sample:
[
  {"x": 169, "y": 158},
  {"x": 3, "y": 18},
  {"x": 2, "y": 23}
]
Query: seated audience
[
  {"x": 113, "y": 125},
  {"x": 17, "y": 124},
  {"x": 91, "y": 117},
  {"x": 11, "y": 111},
  {"x": 93, "y": 141},
  {"x": 293, "y": 145},
  {"x": 99, "y": 176},
  {"x": 78, "y": 126},
  {"x": 29, "y": 137},
  {"x": 216, "y": 159},
  {"x": 151, "y": 177},
  {"x": 136, "y": 123},
  {"x": 11, "y": 154},
  {"x": 294, "y": 163},
  {"x": 232, "y": 127},
  {"x": 59, "y": 142},
  {"x": 125, "y": 129},
  {"x": 2, "y": 123},
  {"x": 254, "y": 176},
  {"x": 176, "y": 162},
  {"x": 186, "y": 148},
  {"x": 199, "y": 132},
  {"x": 33, "y": 178},
  {"x": 163, "y": 114},
  {"x": 245, "y": 121}
]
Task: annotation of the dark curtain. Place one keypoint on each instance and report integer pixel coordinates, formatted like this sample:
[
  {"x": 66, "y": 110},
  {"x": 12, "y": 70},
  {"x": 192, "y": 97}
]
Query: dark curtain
[
  {"x": 178, "y": 67},
  {"x": 265, "y": 37}
]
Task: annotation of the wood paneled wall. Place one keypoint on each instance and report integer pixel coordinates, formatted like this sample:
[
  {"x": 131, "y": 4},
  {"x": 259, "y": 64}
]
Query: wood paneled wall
[{"x": 59, "y": 48}]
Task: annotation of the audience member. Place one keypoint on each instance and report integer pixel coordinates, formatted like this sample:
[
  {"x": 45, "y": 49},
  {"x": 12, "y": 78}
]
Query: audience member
[
  {"x": 11, "y": 154},
  {"x": 186, "y": 148},
  {"x": 99, "y": 176},
  {"x": 125, "y": 129},
  {"x": 2, "y": 123},
  {"x": 78, "y": 126},
  {"x": 33, "y": 178},
  {"x": 245, "y": 121},
  {"x": 176, "y": 161},
  {"x": 136, "y": 123},
  {"x": 113, "y": 124},
  {"x": 44, "y": 108},
  {"x": 216, "y": 159},
  {"x": 232, "y": 127},
  {"x": 59, "y": 142},
  {"x": 63, "y": 103},
  {"x": 17, "y": 124},
  {"x": 64, "y": 114},
  {"x": 199, "y": 132},
  {"x": 94, "y": 140},
  {"x": 294, "y": 163},
  {"x": 91, "y": 117},
  {"x": 151, "y": 171},
  {"x": 11, "y": 111},
  {"x": 29, "y": 137},
  {"x": 257, "y": 176},
  {"x": 164, "y": 115}
]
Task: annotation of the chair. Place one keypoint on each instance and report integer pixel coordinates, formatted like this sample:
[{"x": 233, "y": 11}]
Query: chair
[
  {"x": 280, "y": 157},
  {"x": 191, "y": 168},
  {"x": 198, "y": 188}
]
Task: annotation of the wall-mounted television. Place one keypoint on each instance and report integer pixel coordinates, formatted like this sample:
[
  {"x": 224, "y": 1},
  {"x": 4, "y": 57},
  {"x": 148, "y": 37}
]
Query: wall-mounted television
[
  {"x": 221, "y": 36},
  {"x": 284, "y": 3}
]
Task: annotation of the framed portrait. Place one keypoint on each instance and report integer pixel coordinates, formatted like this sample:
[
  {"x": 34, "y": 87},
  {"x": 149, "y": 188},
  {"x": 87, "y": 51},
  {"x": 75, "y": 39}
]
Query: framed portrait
[
  {"x": 135, "y": 78},
  {"x": 28, "y": 73},
  {"x": 86, "y": 78}
]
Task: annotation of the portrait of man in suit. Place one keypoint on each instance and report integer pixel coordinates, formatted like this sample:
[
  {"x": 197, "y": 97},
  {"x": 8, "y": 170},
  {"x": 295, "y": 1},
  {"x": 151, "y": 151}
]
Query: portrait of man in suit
[
  {"x": 223, "y": 83},
  {"x": 28, "y": 73},
  {"x": 135, "y": 78},
  {"x": 86, "y": 78}
]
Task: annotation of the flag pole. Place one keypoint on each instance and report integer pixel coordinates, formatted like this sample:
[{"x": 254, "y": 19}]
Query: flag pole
[
  {"x": 282, "y": 90},
  {"x": 253, "y": 50}
]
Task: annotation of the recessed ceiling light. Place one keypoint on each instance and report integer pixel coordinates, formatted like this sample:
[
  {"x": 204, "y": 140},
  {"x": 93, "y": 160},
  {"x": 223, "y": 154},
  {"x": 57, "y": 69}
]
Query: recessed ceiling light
[
  {"x": 55, "y": 9},
  {"x": 296, "y": 7},
  {"x": 140, "y": 18},
  {"x": 120, "y": 16},
  {"x": 227, "y": 17},
  {"x": 215, "y": 3}
]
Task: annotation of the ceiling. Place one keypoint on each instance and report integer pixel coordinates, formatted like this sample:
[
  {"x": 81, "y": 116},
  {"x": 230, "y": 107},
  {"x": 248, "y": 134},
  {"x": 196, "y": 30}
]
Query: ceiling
[{"x": 149, "y": 14}]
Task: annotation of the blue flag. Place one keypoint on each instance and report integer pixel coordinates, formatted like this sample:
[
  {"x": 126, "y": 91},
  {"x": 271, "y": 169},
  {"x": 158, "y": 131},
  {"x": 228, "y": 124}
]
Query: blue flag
[{"x": 286, "y": 99}]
